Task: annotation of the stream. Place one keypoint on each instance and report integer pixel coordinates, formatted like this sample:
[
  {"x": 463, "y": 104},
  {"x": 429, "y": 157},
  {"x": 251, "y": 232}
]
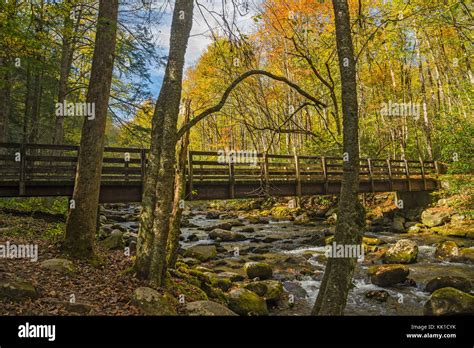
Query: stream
[{"x": 299, "y": 264}]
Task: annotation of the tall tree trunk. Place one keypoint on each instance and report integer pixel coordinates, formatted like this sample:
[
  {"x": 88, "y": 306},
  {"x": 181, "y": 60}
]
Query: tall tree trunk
[
  {"x": 67, "y": 51},
  {"x": 179, "y": 186},
  {"x": 337, "y": 278},
  {"x": 82, "y": 220},
  {"x": 158, "y": 188},
  {"x": 5, "y": 100}
]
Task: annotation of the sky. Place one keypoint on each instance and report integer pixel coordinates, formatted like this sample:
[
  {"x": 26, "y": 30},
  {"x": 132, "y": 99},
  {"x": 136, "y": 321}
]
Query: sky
[{"x": 200, "y": 37}]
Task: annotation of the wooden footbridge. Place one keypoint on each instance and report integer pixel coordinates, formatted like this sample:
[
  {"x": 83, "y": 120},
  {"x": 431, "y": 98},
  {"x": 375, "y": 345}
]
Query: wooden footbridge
[{"x": 34, "y": 170}]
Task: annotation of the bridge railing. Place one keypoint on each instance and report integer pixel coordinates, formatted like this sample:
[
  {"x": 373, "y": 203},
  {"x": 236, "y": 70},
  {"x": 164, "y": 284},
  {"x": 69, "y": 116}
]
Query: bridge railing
[{"x": 23, "y": 163}]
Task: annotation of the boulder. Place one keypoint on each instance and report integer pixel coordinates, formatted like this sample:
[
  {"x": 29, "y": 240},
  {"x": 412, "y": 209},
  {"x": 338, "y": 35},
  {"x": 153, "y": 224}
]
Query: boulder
[
  {"x": 459, "y": 283},
  {"x": 222, "y": 226},
  {"x": 151, "y": 302},
  {"x": 17, "y": 289},
  {"x": 212, "y": 215},
  {"x": 114, "y": 241},
  {"x": 259, "y": 270},
  {"x": 208, "y": 308},
  {"x": 449, "y": 301},
  {"x": 404, "y": 251},
  {"x": 248, "y": 229},
  {"x": 201, "y": 252},
  {"x": 302, "y": 219},
  {"x": 434, "y": 217},
  {"x": 58, "y": 265},
  {"x": 446, "y": 250},
  {"x": 398, "y": 224},
  {"x": 270, "y": 290},
  {"x": 414, "y": 229},
  {"x": 226, "y": 236},
  {"x": 246, "y": 302},
  {"x": 386, "y": 275}
]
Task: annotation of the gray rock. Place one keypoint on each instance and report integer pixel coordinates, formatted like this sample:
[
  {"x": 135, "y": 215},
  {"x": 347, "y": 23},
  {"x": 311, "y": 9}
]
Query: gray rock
[
  {"x": 398, "y": 224},
  {"x": 459, "y": 283},
  {"x": 404, "y": 251},
  {"x": 387, "y": 275},
  {"x": 58, "y": 265},
  {"x": 17, "y": 289},
  {"x": 114, "y": 241},
  {"x": 433, "y": 218},
  {"x": 208, "y": 308},
  {"x": 226, "y": 236},
  {"x": 201, "y": 252}
]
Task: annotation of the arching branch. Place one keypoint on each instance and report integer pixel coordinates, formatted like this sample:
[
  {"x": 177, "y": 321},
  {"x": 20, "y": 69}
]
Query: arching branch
[{"x": 220, "y": 105}]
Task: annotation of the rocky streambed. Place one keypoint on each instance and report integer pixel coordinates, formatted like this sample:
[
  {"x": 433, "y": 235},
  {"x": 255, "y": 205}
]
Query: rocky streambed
[{"x": 272, "y": 261}]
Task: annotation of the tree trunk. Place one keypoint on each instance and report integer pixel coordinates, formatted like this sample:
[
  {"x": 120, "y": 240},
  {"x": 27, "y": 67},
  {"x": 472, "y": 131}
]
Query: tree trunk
[
  {"x": 179, "y": 186},
  {"x": 337, "y": 278},
  {"x": 157, "y": 197},
  {"x": 81, "y": 222},
  {"x": 5, "y": 100},
  {"x": 67, "y": 51}
]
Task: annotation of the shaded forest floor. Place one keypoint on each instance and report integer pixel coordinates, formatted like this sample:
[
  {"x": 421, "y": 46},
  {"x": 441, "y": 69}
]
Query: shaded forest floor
[{"x": 103, "y": 288}]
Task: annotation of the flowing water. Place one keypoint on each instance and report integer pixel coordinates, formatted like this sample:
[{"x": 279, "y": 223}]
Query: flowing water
[{"x": 300, "y": 266}]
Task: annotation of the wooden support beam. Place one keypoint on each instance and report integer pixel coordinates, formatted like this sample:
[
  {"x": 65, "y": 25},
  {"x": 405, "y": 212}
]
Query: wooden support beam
[
  {"x": 231, "y": 178},
  {"x": 407, "y": 174},
  {"x": 298, "y": 177},
  {"x": 266, "y": 173},
  {"x": 422, "y": 166},
  {"x": 369, "y": 163},
  {"x": 22, "y": 182},
  {"x": 325, "y": 174},
  {"x": 389, "y": 170}
]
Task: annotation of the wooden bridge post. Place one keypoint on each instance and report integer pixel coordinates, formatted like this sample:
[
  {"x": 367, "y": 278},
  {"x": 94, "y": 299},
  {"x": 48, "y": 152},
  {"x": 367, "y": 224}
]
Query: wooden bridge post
[
  {"x": 190, "y": 175},
  {"x": 22, "y": 182},
  {"x": 298, "y": 177},
  {"x": 407, "y": 175},
  {"x": 369, "y": 163},
  {"x": 231, "y": 178},
  {"x": 325, "y": 174},
  {"x": 389, "y": 168},
  {"x": 422, "y": 164},
  {"x": 266, "y": 173}
]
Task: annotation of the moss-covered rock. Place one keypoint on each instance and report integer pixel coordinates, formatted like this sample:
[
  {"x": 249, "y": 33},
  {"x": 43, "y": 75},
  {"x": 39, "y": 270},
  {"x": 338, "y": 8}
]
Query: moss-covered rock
[
  {"x": 446, "y": 250},
  {"x": 372, "y": 241},
  {"x": 246, "y": 302},
  {"x": 114, "y": 241},
  {"x": 17, "y": 289},
  {"x": 151, "y": 302},
  {"x": 302, "y": 219},
  {"x": 463, "y": 229},
  {"x": 284, "y": 213},
  {"x": 270, "y": 290},
  {"x": 459, "y": 283},
  {"x": 404, "y": 251},
  {"x": 58, "y": 265},
  {"x": 434, "y": 217},
  {"x": 449, "y": 301},
  {"x": 201, "y": 252},
  {"x": 387, "y": 275},
  {"x": 207, "y": 308},
  {"x": 259, "y": 270}
]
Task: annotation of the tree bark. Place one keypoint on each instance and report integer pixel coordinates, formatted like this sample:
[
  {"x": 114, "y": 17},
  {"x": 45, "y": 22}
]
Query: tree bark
[
  {"x": 337, "y": 278},
  {"x": 157, "y": 197},
  {"x": 81, "y": 222},
  {"x": 179, "y": 186}
]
